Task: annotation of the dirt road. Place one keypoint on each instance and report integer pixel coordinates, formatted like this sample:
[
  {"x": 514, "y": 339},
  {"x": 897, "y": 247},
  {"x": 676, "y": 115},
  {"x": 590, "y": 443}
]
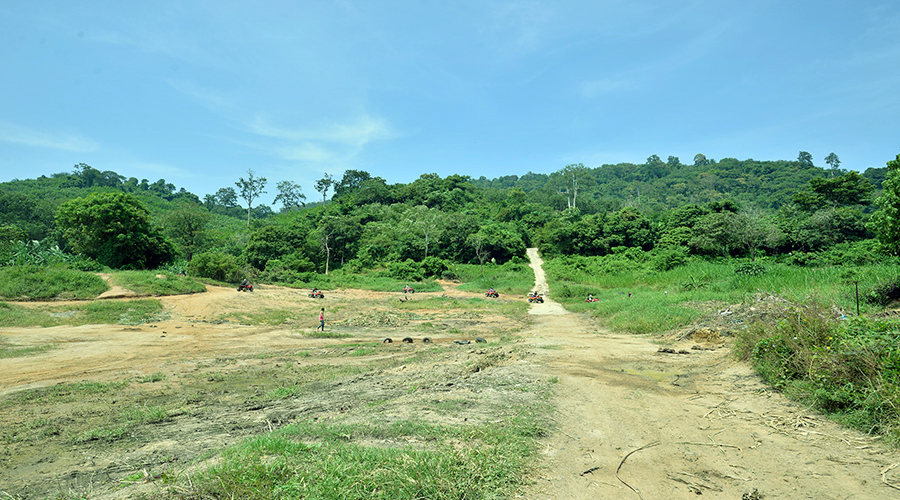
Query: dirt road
[
  {"x": 637, "y": 423},
  {"x": 632, "y": 422}
]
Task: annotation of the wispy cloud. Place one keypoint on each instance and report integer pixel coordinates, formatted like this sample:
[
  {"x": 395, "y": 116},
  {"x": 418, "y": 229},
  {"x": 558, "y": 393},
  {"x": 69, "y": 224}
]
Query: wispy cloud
[
  {"x": 211, "y": 99},
  {"x": 18, "y": 134},
  {"x": 356, "y": 134}
]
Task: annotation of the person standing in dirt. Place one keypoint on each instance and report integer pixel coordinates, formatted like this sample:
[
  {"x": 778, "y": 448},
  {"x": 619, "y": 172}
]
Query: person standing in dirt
[{"x": 321, "y": 320}]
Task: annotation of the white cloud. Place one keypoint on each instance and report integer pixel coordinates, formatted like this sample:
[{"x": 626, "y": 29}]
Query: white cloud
[
  {"x": 356, "y": 134},
  {"x": 210, "y": 99},
  {"x": 10, "y": 132},
  {"x": 306, "y": 152}
]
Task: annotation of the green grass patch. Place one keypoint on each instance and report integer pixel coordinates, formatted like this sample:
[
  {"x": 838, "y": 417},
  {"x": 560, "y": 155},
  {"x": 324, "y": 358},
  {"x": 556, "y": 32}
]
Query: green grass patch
[
  {"x": 156, "y": 283},
  {"x": 130, "y": 312},
  {"x": 48, "y": 283},
  {"x": 268, "y": 316},
  {"x": 512, "y": 278},
  {"x": 333, "y": 462},
  {"x": 662, "y": 300},
  {"x": 153, "y": 377},
  {"x": 8, "y": 350},
  {"x": 145, "y": 415},
  {"x": 364, "y": 351},
  {"x": 328, "y": 334},
  {"x": 63, "y": 392}
]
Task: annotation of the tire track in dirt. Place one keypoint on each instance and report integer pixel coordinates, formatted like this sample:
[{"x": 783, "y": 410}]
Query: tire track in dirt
[{"x": 636, "y": 423}]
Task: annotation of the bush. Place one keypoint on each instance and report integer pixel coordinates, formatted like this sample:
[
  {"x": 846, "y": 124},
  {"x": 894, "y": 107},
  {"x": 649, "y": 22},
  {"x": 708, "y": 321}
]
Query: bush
[
  {"x": 750, "y": 269},
  {"x": 670, "y": 258},
  {"x": 883, "y": 293},
  {"x": 848, "y": 369},
  {"x": 216, "y": 265},
  {"x": 434, "y": 267},
  {"x": 405, "y": 271}
]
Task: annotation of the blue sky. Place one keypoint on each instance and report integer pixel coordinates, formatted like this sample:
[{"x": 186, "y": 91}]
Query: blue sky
[{"x": 199, "y": 92}]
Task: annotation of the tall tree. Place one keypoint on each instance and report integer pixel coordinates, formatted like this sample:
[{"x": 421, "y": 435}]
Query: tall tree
[
  {"x": 482, "y": 252},
  {"x": 250, "y": 189},
  {"x": 114, "y": 229},
  {"x": 186, "y": 226},
  {"x": 350, "y": 182},
  {"x": 323, "y": 185},
  {"x": 752, "y": 229},
  {"x": 290, "y": 195},
  {"x": 572, "y": 175},
  {"x": 885, "y": 222},
  {"x": 227, "y": 197},
  {"x": 805, "y": 159},
  {"x": 834, "y": 162},
  {"x": 425, "y": 222}
]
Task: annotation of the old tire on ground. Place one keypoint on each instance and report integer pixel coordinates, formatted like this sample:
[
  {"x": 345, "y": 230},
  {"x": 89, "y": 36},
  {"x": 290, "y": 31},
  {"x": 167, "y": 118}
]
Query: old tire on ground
[
  {"x": 386, "y": 340},
  {"x": 426, "y": 340},
  {"x": 408, "y": 340},
  {"x": 481, "y": 340}
]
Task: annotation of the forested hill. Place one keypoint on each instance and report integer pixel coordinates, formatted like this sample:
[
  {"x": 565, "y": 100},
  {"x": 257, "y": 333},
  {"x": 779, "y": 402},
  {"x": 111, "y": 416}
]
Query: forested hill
[
  {"x": 708, "y": 208},
  {"x": 657, "y": 185}
]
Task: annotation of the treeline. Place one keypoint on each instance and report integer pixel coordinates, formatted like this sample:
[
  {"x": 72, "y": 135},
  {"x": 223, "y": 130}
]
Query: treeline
[{"x": 785, "y": 209}]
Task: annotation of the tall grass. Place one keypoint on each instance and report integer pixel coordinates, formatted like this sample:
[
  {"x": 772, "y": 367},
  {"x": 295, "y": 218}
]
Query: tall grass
[
  {"x": 30, "y": 282},
  {"x": 662, "y": 300},
  {"x": 512, "y": 278}
]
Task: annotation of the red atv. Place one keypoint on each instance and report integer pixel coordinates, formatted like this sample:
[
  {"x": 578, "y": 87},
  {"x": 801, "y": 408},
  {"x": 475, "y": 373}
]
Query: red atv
[
  {"x": 536, "y": 297},
  {"x": 316, "y": 294},
  {"x": 245, "y": 287},
  {"x": 407, "y": 289},
  {"x": 492, "y": 293}
]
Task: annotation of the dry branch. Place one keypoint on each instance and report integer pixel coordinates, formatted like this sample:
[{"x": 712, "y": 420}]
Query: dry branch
[{"x": 623, "y": 462}]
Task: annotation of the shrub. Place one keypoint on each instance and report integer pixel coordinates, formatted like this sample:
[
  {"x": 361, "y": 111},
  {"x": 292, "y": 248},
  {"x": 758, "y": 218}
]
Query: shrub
[
  {"x": 670, "y": 258},
  {"x": 750, "y": 269},
  {"x": 216, "y": 265},
  {"x": 883, "y": 293},
  {"x": 849, "y": 369},
  {"x": 406, "y": 270},
  {"x": 434, "y": 266}
]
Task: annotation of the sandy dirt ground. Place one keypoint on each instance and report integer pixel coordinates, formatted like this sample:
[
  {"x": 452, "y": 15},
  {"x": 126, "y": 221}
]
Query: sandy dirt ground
[{"x": 633, "y": 422}]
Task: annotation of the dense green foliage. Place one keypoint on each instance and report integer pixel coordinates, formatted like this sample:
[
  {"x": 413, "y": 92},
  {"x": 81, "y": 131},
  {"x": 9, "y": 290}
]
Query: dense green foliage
[
  {"x": 886, "y": 221},
  {"x": 420, "y": 230},
  {"x": 114, "y": 229}
]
